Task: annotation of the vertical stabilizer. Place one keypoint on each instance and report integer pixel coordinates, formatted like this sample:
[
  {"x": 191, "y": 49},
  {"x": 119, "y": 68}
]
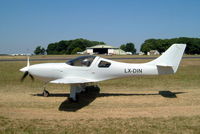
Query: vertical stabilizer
[{"x": 170, "y": 58}]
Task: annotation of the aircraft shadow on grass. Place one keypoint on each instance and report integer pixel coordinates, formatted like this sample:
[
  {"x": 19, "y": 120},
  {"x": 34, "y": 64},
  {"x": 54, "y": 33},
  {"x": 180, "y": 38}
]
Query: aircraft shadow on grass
[{"x": 93, "y": 92}]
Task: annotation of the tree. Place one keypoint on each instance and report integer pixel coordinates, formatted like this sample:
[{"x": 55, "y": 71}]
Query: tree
[
  {"x": 128, "y": 47},
  {"x": 51, "y": 49},
  {"x": 39, "y": 50},
  {"x": 123, "y": 47},
  {"x": 68, "y": 46},
  {"x": 42, "y": 51},
  {"x": 75, "y": 50}
]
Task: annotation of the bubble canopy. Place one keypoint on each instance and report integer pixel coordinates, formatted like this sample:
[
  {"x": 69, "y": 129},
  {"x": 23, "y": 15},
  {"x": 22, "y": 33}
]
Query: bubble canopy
[{"x": 84, "y": 61}]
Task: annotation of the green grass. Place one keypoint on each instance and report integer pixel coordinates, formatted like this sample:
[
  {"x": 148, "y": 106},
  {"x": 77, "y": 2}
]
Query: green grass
[{"x": 145, "y": 111}]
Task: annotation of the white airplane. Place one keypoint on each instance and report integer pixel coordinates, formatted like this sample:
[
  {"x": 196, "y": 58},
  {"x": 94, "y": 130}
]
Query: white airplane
[{"x": 82, "y": 70}]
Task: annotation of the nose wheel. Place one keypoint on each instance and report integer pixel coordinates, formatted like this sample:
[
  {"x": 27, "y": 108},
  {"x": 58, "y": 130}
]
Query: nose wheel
[{"x": 45, "y": 93}]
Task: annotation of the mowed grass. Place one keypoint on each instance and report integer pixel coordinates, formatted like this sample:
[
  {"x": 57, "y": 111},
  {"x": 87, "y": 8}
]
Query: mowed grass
[{"x": 124, "y": 105}]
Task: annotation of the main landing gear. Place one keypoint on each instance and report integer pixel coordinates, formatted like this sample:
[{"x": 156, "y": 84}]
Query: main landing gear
[{"x": 74, "y": 89}]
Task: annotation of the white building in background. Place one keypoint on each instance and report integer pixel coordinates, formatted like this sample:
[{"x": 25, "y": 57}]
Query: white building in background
[
  {"x": 104, "y": 49},
  {"x": 153, "y": 52},
  {"x": 141, "y": 53}
]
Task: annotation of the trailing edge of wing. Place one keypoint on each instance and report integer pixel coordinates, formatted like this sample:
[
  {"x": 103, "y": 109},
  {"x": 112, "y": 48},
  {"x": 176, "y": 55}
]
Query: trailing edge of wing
[{"x": 72, "y": 80}]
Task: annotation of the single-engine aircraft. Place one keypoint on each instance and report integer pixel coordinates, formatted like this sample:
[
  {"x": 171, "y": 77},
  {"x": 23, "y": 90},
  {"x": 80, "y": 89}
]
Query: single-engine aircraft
[{"x": 82, "y": 70}]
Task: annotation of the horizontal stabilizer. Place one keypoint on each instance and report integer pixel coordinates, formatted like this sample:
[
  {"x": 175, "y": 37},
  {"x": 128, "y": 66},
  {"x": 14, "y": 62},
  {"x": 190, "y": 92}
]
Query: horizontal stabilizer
[{"x": 164, "y": 65}]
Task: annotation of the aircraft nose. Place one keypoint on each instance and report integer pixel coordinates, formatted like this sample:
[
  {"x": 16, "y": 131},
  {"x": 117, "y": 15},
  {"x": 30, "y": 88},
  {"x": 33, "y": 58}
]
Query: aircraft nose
[{"x": 25, "y": 69}]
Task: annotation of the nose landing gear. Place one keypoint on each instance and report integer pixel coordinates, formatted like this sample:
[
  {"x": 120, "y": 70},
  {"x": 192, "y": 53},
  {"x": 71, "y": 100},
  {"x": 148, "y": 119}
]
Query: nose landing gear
[{"x": 45, "y": 92}]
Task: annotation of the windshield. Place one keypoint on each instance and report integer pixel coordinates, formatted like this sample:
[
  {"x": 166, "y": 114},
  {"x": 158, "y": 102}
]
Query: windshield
[{"x": 81, "y": 61}]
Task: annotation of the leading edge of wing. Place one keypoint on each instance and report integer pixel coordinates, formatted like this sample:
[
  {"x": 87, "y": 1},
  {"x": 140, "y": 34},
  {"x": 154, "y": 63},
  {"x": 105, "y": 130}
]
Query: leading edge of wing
[{"x": 72, "y": 80}]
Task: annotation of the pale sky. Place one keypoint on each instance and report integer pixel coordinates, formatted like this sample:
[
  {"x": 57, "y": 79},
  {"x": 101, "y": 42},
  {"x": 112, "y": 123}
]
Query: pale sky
[{"x": 25, "y": 24}]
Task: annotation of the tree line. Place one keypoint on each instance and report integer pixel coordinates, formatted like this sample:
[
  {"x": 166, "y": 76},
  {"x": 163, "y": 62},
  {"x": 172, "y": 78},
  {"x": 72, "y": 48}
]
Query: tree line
[
  {"x": 79, "y": 45},
  {"x": 67, "y": 47},
  {"x": 74, "y": 46},
  {"x": 193, "y": 44}
]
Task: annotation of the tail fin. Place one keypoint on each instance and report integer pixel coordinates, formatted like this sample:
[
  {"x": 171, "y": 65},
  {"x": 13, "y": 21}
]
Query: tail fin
[{"x": 170, "y": 58}]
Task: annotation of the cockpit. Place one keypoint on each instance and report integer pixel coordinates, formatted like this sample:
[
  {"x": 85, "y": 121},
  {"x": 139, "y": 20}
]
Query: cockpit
[{"x": 84, "y": 61}]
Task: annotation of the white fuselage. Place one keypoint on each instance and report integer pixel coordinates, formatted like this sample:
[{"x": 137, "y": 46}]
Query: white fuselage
[{"x": 52, "y": 71}]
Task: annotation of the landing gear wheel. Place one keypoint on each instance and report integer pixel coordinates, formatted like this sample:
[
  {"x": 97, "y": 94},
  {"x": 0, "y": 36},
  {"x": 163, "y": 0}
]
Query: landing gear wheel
[{"x": 45, "y": 93}]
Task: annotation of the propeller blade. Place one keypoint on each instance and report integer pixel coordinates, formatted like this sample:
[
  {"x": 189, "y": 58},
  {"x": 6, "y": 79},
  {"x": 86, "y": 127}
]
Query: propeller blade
[
  {"x": 32, "y": 78},
  {"x": 24, "y": 76}
]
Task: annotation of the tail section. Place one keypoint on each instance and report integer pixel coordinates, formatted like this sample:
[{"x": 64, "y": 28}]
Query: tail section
[{"x": 169, "y": 61}]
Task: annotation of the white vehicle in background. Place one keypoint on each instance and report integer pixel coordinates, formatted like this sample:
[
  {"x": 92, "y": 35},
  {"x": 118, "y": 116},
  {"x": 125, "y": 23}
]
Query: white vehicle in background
[
  {"x": 129, "y": 53},
  {"x": 82, "y": 70}
]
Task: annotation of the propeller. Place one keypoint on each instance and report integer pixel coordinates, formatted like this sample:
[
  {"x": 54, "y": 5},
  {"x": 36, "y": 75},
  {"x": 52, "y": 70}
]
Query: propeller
[
  {"x": 25, "y": 75},
  {"x": 25, "y": 70}
]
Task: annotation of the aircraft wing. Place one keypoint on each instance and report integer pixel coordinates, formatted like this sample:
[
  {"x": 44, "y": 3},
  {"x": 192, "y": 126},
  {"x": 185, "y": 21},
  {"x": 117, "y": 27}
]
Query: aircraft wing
[{"x": 72, "y": 80}]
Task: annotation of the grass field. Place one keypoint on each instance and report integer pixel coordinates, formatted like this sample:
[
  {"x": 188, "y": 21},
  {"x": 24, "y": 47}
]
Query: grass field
[{"x": 148, "y": 104}]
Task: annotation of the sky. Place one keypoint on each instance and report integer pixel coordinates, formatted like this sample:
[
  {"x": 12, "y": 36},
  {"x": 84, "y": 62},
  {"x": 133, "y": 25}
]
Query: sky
[{"x": 26, "y": 24}]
